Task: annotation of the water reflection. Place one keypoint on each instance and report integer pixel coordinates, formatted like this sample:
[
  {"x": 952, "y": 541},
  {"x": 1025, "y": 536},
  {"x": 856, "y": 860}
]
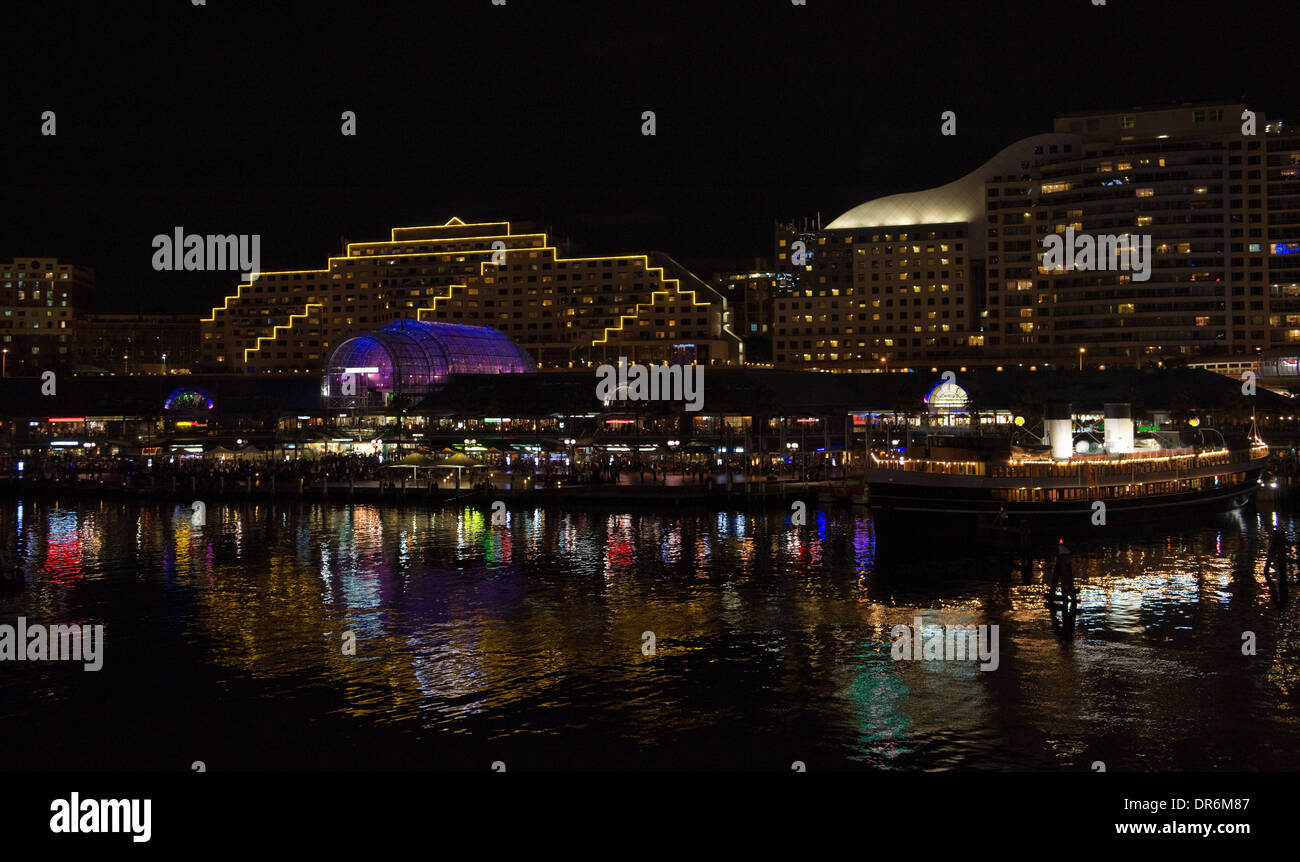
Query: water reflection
[{"x": 772, "y": 640}]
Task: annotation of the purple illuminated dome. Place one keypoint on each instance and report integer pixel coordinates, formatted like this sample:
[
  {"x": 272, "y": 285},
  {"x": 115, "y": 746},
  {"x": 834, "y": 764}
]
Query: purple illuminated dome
[
  {"x": 188, "y": 400},
  {"x": 415, "y": 357}
]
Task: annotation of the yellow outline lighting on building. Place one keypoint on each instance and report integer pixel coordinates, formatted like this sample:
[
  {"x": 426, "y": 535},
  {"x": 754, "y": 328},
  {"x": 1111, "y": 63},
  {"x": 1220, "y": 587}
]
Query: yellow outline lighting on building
[
  {"x": 555, "y": 258},
  {"x": 329, "y": 268},
  {"x": 451, "y": 288},
  {"x": 288, "y": 323},
  {"x": 375, "y": 256},
  {"x": 432, "y": 239},
  {"x": 677, "y": 286},
  {"x": 454, "y": 222},
  {"x": 369, "y": 257},
  {"x": 225, "y": 305}
]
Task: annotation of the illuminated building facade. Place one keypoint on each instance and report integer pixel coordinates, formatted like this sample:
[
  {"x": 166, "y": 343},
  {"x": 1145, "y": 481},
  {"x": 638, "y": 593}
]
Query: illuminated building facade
[
  {"x": 566, "y": 312},
  {"x": 873, "y": 297},
  {"x": 1221, "y": 208},
  {"x": 1186, "y": 177},
  {"x": 39, "y": 305}
]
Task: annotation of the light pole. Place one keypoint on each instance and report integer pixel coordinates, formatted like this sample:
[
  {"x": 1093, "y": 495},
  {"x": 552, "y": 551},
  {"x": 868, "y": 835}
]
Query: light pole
[
  {"x": 4, "y": 363},
  {"x": 164, "y": 364},
  {"x": 123, "y": 364},
  {"x": 1082, "y": 350}
]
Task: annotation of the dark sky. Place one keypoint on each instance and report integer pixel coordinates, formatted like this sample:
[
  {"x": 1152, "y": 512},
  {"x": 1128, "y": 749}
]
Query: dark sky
[{"x": 225, "y": 118}]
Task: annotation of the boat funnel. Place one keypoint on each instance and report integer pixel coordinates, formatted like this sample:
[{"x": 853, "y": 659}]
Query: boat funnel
[
  {"x": 1119, "y": 428},
  {"x": 1059, "y": 426}
]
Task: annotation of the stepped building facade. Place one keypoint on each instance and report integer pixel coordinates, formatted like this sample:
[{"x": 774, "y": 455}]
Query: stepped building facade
[{"x": 566, "y": 312}]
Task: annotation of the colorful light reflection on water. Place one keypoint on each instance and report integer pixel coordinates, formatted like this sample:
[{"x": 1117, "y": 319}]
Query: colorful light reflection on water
[{"x": 523, "y": 643}]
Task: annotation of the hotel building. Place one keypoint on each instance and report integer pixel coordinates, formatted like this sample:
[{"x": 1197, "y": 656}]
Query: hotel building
[
  {"x": 566, "y": 312},
  {"x": 956, "y": 272},
  {"x": 1185, "y": 177}
]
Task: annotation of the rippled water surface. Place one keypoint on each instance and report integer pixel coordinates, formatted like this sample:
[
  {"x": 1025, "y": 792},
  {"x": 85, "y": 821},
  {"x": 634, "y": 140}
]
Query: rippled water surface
[{"x": 524, "y": 644}]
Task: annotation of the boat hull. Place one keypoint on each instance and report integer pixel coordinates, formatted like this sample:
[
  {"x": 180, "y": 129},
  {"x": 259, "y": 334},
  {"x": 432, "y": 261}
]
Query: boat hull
[{"x": 903, "y": 502}]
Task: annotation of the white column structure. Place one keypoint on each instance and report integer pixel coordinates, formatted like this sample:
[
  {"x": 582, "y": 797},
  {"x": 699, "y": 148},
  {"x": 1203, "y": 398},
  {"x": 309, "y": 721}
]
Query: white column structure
[
  {"x": 1119, "y": 428},
  {"x": 1058, "y": 424}
]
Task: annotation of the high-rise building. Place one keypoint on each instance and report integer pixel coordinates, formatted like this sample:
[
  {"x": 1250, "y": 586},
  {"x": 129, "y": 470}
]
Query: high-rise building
[
  {"x": 566, "y": 312},
  {"x": 1170, "y": 178},
  {"x": 893, "y": 282},
  {"x": 40, "y": 302},
  {"x": 1219, "y": 210}
]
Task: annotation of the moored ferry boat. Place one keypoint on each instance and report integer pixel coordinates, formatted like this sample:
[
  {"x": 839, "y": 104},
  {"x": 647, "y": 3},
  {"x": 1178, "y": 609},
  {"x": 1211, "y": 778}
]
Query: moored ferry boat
[{"x": 1059, "y": 481}]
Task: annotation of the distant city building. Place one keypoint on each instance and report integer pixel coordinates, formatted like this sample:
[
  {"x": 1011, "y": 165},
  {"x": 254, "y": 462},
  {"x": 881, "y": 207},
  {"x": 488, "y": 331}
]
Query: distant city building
[
  {"x": 42, "y": 297},
  {"x": 750, "y": 296},
  {"x": 1220, "y": 209},
  {"x": 567, "y": 312},
  {"x": 868, "y": 295},
  {"x": 148, "y": 343}
]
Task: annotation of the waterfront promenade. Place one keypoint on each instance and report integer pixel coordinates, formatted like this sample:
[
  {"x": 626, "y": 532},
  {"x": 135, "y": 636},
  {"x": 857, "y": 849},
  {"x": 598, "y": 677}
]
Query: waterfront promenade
[{"x": 347, "y": 478}]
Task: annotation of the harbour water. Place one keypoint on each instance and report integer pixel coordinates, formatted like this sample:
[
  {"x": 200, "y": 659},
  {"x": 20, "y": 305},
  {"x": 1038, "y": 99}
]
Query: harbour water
[{"x": 337, "y": 636}]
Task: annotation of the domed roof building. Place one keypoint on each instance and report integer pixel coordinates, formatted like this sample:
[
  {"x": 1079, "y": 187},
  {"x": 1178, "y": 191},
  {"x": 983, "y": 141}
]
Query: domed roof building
[
  {"x": 961, "y": 200},
  {"x": 414, "y": 357}
]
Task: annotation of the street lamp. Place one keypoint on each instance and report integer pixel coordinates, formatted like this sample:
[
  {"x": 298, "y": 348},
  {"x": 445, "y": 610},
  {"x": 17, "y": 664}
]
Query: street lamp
[
  {"x": 124, "y": 363},
  {"x": 1082, "y": 350},
  {"x": 4, "y": 363},
  {"x": 164, "y": 357}
]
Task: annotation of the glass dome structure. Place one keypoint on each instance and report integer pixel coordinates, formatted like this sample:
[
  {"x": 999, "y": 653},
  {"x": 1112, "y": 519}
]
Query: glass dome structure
[
  {"x": 188, "y": 400},
  {"x": 415, "y": 357}
]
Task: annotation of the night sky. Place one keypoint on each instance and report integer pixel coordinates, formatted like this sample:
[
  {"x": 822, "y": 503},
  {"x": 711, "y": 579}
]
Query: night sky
[{"x": 225, "y": 118}]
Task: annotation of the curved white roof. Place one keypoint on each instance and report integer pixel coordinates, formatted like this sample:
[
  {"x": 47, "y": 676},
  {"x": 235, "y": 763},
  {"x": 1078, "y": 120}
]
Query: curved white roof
[{"x": 959, "y": 201}]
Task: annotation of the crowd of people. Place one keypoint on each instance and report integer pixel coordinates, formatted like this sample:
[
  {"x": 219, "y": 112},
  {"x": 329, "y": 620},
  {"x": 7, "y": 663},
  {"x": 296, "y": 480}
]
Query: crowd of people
[
  {"x": 134, "y": 472},
  {"x": 207, "y": 472}
]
